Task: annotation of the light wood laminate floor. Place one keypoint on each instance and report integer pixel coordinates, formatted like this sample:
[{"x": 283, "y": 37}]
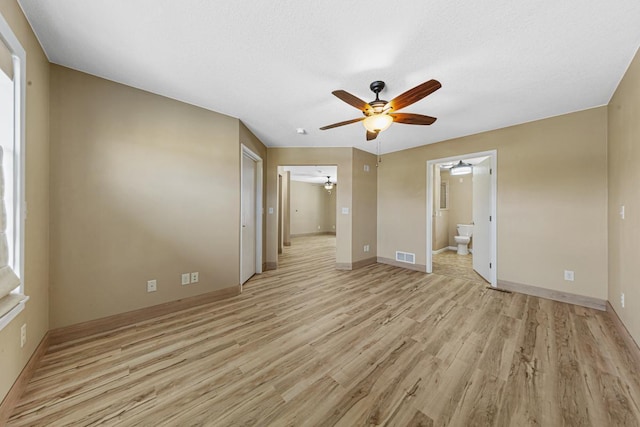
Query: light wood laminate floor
[
  {"x": 449, "y": 263},
  {"x": 310, "y": 345}
]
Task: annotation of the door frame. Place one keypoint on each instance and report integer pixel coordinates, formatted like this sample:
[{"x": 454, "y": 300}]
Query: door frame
[
  {"x": 259, "y": 207},
  {"x": 493, "y": 154}
]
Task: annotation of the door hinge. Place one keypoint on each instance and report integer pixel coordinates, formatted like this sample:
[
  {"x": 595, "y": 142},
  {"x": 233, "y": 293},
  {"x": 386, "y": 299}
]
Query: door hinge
[
  {"x": 490, "y": 171},
  {"x": 489, "y": 218},
  {"x": 489, "y": 265}
]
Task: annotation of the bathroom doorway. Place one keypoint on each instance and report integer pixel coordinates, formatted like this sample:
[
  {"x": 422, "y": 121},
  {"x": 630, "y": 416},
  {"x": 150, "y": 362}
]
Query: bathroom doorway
[{"x": 461, "y": 216}]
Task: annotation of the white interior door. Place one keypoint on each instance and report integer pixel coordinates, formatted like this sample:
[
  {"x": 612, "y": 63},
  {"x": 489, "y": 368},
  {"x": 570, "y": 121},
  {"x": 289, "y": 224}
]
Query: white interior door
[
  {"x": 482, "y": 263},
  {"x": 248, "y": 218}
]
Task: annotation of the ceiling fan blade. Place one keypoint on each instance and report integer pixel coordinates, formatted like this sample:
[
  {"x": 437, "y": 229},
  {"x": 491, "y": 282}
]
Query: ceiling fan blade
[
  {"x": 352, "y": 100},
  {"x": 413, "y": 95},
  {"x": 371, "y": 135},
  {"x": 347, "y": 122},
  {"x": 412, "y": 119}
]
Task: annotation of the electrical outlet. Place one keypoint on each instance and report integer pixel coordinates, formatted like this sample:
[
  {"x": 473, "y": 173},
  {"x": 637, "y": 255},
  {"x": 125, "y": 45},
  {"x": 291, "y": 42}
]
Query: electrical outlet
[
  {"x": 568, "y": 275},
  {"x": 152, "y": 285},
  {"x": 366, "y": 248},
  {"x": 23, "y": 335},
  {"x": 621, "y": 211},
  {"x": 186, "y": 278},
  {"x": 622, "y": 299},
  {"x": 194, "y": 277}
]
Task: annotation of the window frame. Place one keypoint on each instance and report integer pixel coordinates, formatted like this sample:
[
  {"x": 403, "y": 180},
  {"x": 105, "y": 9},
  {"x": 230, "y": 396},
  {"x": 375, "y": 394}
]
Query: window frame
[{"x": 19, "y": 205}]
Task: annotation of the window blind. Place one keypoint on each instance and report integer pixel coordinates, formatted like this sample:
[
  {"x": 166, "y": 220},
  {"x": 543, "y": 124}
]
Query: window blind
[
  {"x": 6, "y": 60},
  {"x": 8, "y": 278}
]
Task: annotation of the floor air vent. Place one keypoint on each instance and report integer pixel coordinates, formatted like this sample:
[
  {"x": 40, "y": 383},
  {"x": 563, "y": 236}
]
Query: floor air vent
[{"x": 406, "y": 257}]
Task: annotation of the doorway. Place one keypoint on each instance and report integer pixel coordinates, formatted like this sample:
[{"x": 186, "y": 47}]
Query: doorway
[
  {"x": 307, "y": 207},
  {"x": 251, "y": 213},
  {"x": 478, "y": 210}
]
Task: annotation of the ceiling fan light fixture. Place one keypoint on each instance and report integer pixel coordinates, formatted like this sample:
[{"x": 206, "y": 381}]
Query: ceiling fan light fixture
[
  {"x": 328, "y": 185},
  {"x": 461, "y": 169},
  {"x": 377, "y": 113},
  {"x": 377, "y": 122}
]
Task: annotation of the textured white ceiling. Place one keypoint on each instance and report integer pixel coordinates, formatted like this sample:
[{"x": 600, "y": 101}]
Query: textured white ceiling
[
  {"x": 471, "y": 161},
  {"x": 274, "y": 64},
  {"x": 313, "y": 174}
]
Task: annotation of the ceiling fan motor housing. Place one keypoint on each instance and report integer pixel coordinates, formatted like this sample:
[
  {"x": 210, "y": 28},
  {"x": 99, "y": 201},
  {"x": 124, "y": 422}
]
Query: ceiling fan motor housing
[
  {"x": 378, "y": 104},
  {"x": 377, "y": 86}
]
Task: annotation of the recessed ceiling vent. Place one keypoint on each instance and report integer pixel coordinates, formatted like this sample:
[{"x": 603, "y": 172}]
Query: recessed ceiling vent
[{"x": 407, "y": 257}]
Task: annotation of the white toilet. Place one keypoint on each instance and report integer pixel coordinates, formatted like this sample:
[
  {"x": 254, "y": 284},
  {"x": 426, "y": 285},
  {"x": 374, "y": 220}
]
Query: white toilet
[{"x": 463, "y": 238}]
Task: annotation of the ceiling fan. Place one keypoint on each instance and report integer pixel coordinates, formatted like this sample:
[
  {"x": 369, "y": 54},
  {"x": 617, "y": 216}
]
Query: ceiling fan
[{"x": 379, "y": 114}]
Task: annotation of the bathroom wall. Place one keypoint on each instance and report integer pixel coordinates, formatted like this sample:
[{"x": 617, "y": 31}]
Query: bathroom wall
[
  {"x": 440, "y": 216},
  {"x": 460, "y": 203}
]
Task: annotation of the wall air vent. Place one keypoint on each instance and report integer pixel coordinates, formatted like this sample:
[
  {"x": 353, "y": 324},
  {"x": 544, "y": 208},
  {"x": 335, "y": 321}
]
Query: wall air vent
[{"x": 407, "y": 257}]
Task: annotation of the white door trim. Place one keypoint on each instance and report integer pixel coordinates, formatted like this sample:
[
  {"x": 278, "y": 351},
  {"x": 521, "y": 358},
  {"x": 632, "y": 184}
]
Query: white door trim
[
  {"x": 494, "y": 193},
  {"x": 259, "y": 208}
]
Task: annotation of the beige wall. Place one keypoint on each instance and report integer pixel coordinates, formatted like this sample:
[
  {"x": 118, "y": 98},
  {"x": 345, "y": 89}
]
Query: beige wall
[
  {"x": 460, "y": 204},
  {"x": 143, "y": 187},
  {"x": 624, "y": 178},
  {"x": 310, "y": 208},
  {"x": 36, "y": 274},
  {"x": 364, "y": 205},
  {"x": 551, "y": 207}
]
